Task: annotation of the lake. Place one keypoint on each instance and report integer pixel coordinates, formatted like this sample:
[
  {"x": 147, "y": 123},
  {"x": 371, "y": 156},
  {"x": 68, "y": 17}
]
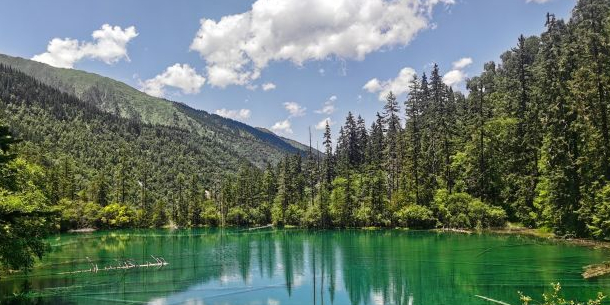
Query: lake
[{"x": 273, "y": 267}]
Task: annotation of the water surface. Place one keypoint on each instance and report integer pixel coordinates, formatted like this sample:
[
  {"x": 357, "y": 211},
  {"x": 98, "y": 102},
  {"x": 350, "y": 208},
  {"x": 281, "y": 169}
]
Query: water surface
[{"x": 273, "y": 267}]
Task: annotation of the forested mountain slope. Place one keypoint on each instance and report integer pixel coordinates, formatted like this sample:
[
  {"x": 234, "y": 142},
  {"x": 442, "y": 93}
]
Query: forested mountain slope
[
  {"x": 117, "y": 98},
  {"x": 94, "y": 155}
]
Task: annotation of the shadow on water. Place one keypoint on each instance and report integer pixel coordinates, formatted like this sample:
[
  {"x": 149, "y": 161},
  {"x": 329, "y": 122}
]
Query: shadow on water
[{"x": 212, "y": 266}]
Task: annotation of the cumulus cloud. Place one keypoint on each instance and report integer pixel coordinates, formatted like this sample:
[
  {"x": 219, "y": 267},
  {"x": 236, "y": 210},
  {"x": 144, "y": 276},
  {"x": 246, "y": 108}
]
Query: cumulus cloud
[
  {"x": 109, "y": 46},
  {"x": 457, "y": 75},
  {"x": 322, "y": 124},
  {"x": 178, "y": 76},
  {"x": 462, "y": 63},
  {"x": 454, "y": 77},
  {"x": 398, "y": 85},
  {"x": 329, "y": 106},
  {"x": 237, "y": 114},
  {"x": 268, "y": 86},
  {"x": 282, "y": 127},
  {"x": 237, "y": 47},
  {"x": 294, "y": 109}
]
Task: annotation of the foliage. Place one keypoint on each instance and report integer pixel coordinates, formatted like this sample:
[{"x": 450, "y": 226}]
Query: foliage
[
  {"x": 116, "y": 215},
  {"x": 460, "y": 210},
  {"x": 25, "y": 218},
  {"x": 555, "y": 298},
  {"x": 416, "y": 217}
]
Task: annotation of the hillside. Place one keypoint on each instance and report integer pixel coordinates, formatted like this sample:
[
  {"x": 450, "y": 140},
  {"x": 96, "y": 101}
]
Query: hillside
[
  {"x": 119, "y": 99},
  {"x": 87, "y": 151}
]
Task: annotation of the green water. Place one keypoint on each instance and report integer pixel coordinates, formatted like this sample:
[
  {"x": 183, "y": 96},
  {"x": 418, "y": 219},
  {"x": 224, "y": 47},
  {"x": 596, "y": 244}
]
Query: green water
[{"x": 304, "y": 267}]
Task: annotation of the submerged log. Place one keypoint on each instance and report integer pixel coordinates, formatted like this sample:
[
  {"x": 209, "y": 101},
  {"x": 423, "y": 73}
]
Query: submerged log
[
  {"x": 597, "y": 270},
  {"x": 124, "y": 265},
  {"x": 491, "y": 300},
  {"x": 261, "y": 227}
]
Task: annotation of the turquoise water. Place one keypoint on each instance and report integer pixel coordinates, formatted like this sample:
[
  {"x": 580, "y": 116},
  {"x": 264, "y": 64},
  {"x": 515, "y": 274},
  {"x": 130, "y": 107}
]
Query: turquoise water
[{"x": 273, "y": 267}]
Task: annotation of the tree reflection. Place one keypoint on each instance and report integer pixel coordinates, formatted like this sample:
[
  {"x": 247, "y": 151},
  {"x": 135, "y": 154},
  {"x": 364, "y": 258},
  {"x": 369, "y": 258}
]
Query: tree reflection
[{"x": 316, "y": 267}]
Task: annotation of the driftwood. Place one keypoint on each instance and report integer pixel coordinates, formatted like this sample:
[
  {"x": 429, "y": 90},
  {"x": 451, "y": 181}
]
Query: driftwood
[
  {"x": 262, "y": 227},
  {"x": 454, "y": 230},
  {"x": 124, "y": 265},
  {"x": 491, "y": 300},
  {"x": 592, "y": 271}
]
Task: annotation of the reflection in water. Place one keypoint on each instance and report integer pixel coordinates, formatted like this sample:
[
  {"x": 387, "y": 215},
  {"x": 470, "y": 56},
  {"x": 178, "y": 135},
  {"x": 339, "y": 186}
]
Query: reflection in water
[{"x": 211, "y": 266}]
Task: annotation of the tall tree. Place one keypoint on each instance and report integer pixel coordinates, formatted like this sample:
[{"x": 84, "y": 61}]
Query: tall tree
[{"x": 392, "y": 144}]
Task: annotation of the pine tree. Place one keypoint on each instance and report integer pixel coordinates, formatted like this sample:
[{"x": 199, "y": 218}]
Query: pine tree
[
  {"x": 392, "y": 144},
  {"x": 329, "y": 159},
  {"x": 559, "y": 194},
  {"x": 412, "y": 108}
]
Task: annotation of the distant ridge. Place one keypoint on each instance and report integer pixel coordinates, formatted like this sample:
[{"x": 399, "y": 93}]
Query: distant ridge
[{"x": 120, "y": 99}]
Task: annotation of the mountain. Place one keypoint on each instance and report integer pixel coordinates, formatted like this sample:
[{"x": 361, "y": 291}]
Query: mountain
[{"x": 123, "y": 101}]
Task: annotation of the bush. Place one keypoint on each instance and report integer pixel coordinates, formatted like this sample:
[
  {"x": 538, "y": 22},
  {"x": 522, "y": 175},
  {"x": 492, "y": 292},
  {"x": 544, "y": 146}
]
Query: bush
[
  {"x": 555, "y": 298},
  {"x": 76, "y": 215},
  {"x": 237, "y": 216},
  {"x": 598, "y": 216},
  {"x": 116, "y": 215},
  {"x": 416, "y": 217},
  {"x": 294, "y": 215},
  {"x": 364, "y": 216},
  {"x": 209, "y": 214},
  {"x": 460, "y": 210},
  {"x": 313, "y": 216}
]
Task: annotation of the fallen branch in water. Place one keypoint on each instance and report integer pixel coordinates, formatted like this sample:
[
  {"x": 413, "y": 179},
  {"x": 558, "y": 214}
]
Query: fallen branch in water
[
  {"x": 463, "y": 231},
  {"x": 491, "y": 300},
  {"x": 262, "y": 227},
  {"x": 592, "y": 271},
  {"x": 124, "y": 265}
]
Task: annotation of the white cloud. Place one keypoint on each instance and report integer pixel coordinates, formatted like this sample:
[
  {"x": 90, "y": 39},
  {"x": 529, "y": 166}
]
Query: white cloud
[
  {"x": 398, "y": 85},
  {"x": 238, "y": 114},
  {"x": 109, "y": 46},
  {"x": 237, "y": 47},
  {"x": 268, "y": 86},
  {"x": 322, "y": 124},
  {"x": 294, "y": 109},
  {"x": 453, "y": 77},
  {"x": 462, "y": 63},
  {"x": 457, "y": 75},
  {"x": 322, "y": 71},
  {"x": 282, "y": 127},
  {"x": 179, "y": 76},
  {"x": 328, "y": 107}
]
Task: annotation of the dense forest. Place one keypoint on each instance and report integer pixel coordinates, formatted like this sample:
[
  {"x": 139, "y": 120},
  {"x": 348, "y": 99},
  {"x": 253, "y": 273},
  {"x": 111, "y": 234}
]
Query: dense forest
[{"x": 527, "y": 143}]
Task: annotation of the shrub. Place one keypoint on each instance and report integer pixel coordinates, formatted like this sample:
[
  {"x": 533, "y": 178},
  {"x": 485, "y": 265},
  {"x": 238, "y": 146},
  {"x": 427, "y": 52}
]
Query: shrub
[
  {"x": 555, "y": 298},
  {"x": 416, "y": 217},
  {"x": 209, "y": 214},
  {"x": 75, "y": 214},
  {"x": 364, "y": 216},
  {"x": 237, "y": 216},
  {"x": 599, "y": 222},
  {"x": 116, "y": 215},
  {"x": 294, "y": 215},
  {"x": 460, "y": 210},
  {"x": 312, "y": 217}
]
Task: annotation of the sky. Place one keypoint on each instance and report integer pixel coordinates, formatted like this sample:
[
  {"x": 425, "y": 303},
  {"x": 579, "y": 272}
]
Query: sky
[{"x": 285, "y": 65}]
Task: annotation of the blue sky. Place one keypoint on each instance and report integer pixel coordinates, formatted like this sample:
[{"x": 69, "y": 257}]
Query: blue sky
[{"x": 315, "y": 62}]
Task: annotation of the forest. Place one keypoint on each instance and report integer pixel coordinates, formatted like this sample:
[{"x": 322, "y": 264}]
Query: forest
[{"x": 527, "y": 143}]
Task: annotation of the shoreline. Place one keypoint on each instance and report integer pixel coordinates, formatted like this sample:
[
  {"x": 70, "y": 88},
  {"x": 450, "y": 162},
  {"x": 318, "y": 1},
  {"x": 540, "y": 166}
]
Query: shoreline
[{"x": 510, "y": 229}]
